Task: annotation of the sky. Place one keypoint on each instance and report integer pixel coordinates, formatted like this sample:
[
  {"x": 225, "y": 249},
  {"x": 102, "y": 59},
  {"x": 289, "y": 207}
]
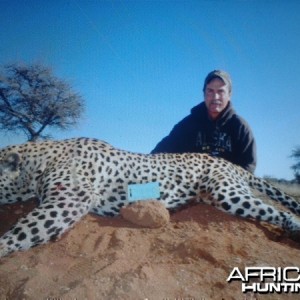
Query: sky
[{"x": 140, "y": 65}]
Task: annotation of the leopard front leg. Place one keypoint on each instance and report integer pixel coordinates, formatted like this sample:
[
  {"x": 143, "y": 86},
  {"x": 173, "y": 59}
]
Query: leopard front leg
[{"x": 62, "y": 206}]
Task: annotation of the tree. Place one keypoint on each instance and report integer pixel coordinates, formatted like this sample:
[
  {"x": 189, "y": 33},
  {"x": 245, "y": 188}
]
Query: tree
[
  {"x": 296, "y": 166},
  {"x": 32, "y": 99}
]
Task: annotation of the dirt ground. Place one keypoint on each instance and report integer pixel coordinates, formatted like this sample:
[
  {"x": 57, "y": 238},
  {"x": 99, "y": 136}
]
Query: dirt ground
[{"x": 110, "y": 258}]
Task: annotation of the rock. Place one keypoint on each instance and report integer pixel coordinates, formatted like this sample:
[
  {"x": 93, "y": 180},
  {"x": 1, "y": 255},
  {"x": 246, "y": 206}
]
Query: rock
[{"x": 150, "y": 213}]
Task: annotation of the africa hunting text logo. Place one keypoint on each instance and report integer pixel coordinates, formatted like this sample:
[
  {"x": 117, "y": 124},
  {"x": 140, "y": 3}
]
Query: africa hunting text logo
[{"x": 265, "y": 280}]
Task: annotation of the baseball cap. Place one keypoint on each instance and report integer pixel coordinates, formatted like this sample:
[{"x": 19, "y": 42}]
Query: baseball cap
[{"x": 225, "y": 77}]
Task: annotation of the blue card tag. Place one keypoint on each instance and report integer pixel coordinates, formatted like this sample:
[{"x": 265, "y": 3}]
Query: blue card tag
[{"x": 143, "y": 191}]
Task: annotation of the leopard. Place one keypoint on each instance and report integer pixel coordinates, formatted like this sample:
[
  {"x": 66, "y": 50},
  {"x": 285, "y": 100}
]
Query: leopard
[{"x": 73, "y": 177}]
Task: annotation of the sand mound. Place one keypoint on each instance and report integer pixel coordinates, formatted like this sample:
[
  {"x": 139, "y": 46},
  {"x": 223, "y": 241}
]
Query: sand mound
[
  {"x": 150, "y": 214},
  {"x": 190, "y": 257}
]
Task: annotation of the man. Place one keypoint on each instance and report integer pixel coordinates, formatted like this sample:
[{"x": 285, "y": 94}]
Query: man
[{"x": 213, "y": 127}]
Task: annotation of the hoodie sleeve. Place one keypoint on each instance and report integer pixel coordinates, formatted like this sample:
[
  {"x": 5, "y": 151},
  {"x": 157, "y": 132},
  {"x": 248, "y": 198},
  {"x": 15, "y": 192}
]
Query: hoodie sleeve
[
  {"x": 182, "y": 137},
  {"x": 178, "y": 139},
  {"x": 246, "y": 149}
]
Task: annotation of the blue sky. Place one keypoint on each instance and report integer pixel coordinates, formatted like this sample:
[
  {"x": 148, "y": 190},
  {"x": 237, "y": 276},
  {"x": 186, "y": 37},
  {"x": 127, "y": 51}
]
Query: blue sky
[{"x": 140, "y": 65}]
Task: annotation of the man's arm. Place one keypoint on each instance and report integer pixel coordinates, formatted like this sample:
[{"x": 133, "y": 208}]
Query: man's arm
[
  {"x": 177, "y": 141},
  {"x": 169, "y": 144},
  {"x": 247, "y": 150}
]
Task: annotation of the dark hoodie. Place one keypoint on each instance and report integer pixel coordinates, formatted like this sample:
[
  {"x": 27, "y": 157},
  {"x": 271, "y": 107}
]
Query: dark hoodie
[{"x": 229, "y": 137}]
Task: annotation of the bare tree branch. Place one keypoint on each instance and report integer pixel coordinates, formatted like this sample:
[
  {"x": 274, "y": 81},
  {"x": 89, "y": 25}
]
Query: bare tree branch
[{"x": 296, "y": 167}]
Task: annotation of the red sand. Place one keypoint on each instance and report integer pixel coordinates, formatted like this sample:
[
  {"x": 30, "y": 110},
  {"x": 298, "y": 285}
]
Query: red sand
[{"x": 189, "y": 257}]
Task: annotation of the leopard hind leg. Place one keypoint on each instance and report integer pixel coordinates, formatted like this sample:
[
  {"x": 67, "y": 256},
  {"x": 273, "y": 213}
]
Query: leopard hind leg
[
  {"x": 244, "y": 204},
  {"x": 275, "y": 194}
]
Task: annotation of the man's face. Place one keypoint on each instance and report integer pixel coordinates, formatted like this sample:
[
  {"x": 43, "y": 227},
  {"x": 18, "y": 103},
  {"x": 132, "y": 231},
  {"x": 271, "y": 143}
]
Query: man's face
[{"x": 216, "y": 97}]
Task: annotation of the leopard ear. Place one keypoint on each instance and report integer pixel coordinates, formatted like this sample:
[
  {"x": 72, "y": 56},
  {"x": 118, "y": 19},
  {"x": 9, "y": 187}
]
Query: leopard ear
[{"x": 10, "y": 162}]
